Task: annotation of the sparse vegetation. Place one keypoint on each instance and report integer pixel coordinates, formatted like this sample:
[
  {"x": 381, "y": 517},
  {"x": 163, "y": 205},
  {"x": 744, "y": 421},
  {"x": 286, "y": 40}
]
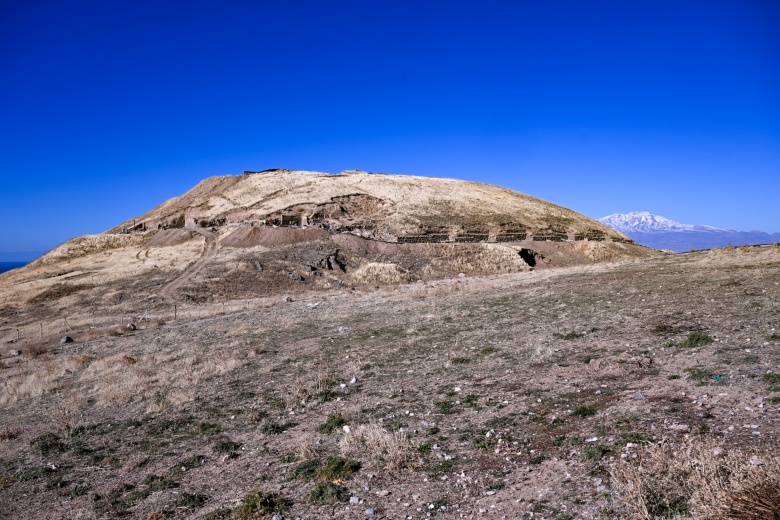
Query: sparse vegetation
[
  {"x": 261, "y": 503},
  {"x": 277, "y": 382},
  {"x": 696, "y": 339}
]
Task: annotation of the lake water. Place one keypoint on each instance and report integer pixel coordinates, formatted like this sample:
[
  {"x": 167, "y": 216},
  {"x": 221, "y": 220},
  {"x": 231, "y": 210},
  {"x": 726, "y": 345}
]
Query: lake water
[{"x": 7, "y": 266}]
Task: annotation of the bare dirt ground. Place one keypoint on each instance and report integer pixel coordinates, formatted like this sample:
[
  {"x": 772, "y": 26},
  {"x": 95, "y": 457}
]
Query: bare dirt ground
[
  {"x": 209, "y": 253},
  {"x": 524, "y": 395}
]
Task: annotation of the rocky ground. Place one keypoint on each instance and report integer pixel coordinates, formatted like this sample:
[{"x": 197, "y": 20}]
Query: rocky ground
[{"x": 532, "y": 394}]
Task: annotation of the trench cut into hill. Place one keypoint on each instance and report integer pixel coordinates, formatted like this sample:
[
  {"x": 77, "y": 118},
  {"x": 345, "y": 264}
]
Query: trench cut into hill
[
  {"x": 390, "y": 208},
  {"x": 287, "y": 232}
]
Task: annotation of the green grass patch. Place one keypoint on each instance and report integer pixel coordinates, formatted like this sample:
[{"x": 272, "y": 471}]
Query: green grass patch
[
  {"x": 595, "y": 453},
  {"x": 328, "y": 493},
  {"x": 584, "y": 411},
  {"x": 444, "y": 407},
  {"x": 191, "y": 500},
  {"x": 332, "y": 423},
  {"x": 158, "y": 483},
  {"x": 337, "y": 468},
  {"x": 772, "y": 381},
  {"x": 225, "y": 446},
  {"x": 49, "y": 443},
  {"x": 259, "y": 503},
  {"x": 274, "y": 428},
  {"x": 189, "y": 463},
  {"x": 569, "y": 335},
  {"x": 699, "y": 375},
  {"x": 697, "y": 339}
]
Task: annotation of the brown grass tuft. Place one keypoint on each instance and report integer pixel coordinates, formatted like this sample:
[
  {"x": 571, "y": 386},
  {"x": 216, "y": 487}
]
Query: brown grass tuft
[
  {"x": 373, "y": 441},
  {"x": 699, "y": 479}
]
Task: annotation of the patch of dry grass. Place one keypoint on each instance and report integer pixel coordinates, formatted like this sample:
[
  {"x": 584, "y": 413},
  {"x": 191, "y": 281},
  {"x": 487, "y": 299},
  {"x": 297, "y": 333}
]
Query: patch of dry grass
[
  {"x": 374, "y": 442},
  {"x": 699, "y": 479}
]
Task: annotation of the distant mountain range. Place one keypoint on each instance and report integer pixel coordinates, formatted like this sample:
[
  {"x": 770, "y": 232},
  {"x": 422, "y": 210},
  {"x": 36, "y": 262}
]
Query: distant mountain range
[{"x": 663, "y": 233}]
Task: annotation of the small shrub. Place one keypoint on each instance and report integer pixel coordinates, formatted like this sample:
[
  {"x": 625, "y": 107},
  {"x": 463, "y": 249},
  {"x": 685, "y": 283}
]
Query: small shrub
[
  {"x": 332, "y": 423},
  {"x": 191, "y": 501},
  {"x": 470, "y": 400},
  {"x": 273, "y": 428},
  {"x": 328, "y": 493},
  {"x": 584, "y": 411},
  {"x": 443, "y": 407},
  {"x": 307, "y": 469},
  {"x": 206, "y": 428},
  {"x": 261, "y": 503},
  {"x": 537, "y": 459},
  {"x": 158, "y": 483},
  {"x": 337, "y": 468},
  {"x": 569, "y": 335},
  {"x": 698, "y": 374},
  {"x": 595, "y": 453},
  {"x": 189, "y": 463},
  {"x": 772, "y": 381},
  {"x": 49, "y": 443},
  {"x": 226, "y": 446},
  {"x": 441, "y": 468},
  {"x": 697, "y": 339}
]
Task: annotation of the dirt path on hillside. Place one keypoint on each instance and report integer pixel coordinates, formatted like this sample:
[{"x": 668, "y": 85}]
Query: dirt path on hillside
[{"x": 209, "y": 251}]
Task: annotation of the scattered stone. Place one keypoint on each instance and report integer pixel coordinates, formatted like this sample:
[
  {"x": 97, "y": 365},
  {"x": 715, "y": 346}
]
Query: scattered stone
[
  {"x": 354, "y": 500},
  {"x": 130, "y": 326},
  {"x": 383, "y": 493},
  {"x": 14, "y": 352},
  {"x": 277, "y": 517},
  {"x": 66, "y": 339},
  {"x": 313, "y": 305},
  {"x": 287, "y": 299},
  {"x": 370, "y": 511}
]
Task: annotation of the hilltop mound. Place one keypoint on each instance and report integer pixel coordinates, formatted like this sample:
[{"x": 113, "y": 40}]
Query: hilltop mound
[
  {"x": 286, "y": 232},
  {"x": 392, "y": 208}
]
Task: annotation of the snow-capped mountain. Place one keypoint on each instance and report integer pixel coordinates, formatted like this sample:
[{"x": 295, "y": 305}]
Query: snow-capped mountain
[
  {"x": 646, "y": 222},
  {"x": 663, "y": 233}
]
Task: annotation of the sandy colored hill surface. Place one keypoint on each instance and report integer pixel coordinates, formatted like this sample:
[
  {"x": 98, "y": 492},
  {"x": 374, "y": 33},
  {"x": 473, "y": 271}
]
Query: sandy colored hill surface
[
  {"x": 384, "y": 206},
  {"x": 288, "y": 232}
]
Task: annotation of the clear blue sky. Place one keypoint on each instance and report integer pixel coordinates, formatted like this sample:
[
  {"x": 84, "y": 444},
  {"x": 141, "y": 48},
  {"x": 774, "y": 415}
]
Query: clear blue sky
[{"x": 108, "y": 108}]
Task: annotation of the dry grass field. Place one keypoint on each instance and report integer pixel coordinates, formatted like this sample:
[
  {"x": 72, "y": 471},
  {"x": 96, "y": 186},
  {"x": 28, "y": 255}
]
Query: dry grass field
[{"x": 646, "y": 388}]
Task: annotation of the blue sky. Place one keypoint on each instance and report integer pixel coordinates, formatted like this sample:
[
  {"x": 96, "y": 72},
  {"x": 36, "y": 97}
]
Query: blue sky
[{"x": 109, "y": 108}]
